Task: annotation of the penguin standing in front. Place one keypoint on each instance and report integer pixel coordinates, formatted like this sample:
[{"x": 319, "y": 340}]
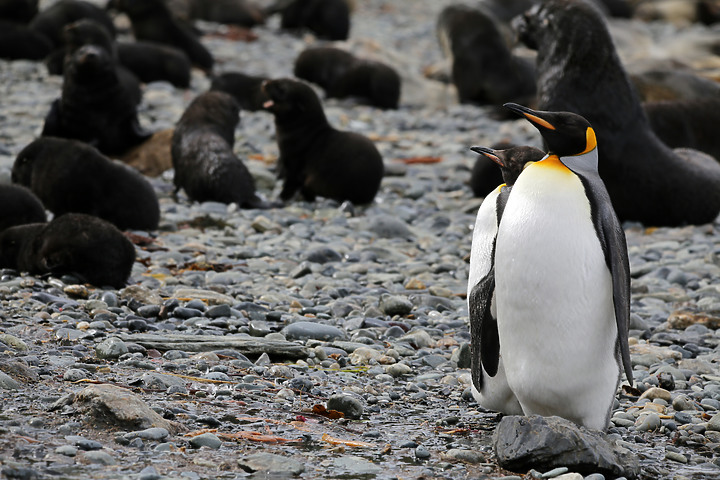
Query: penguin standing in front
[
  {"x": 489, "y": 385},
  {"x": 562, "y": 279}
]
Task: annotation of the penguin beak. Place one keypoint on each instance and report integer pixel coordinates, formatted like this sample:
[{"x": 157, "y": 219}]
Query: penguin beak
[
  {"x": 489, "y": 153},
  {"x": 535, "y": 117}
]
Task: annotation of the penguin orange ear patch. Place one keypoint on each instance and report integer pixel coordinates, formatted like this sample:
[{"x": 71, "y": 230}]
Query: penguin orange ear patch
[
  {"x": 539, "y": 121},
  {"x": 590, "y": 140}
]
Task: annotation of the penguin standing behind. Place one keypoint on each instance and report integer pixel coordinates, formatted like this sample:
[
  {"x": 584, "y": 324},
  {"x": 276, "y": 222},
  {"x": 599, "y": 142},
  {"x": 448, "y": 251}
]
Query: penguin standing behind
[
  {"x": 562, "y": 279},
  {"x": 490, "y": 388}
]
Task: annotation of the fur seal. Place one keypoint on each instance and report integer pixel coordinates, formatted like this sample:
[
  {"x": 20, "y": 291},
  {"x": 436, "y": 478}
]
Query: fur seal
[
  {"x": 202, "y": 153},
  {"x": 88, "y": 247},
  {"x": 327, "y": 19},
  {"x": 18, "y": 41},
  {"x": 18, "y": 11},
  {"x": 315, "y": 158},
  {"x": 71, "y": 176},
  {"x": 484, "y": 70},
  {"x": 246, "y": 89},
  {"x": 234, "y": 12},
  {"x": 19, "y": 205},
  {"x": 152, "y": 21},
  {"x": 647, "y": 181},
  {"x": 95, "y": 106},
  {"x": 51, "y": 21},
  {"x": 152, "y": 62},
  {"x": 687, "y": 124},
  {"x": 341, "y": 75},
  {"x": 89, "y": 32}
]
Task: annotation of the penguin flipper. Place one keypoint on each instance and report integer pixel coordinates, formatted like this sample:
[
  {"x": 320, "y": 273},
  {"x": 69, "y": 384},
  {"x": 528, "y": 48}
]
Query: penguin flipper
[
  {"x": 614, "y": 246},
  {"x": 484, "y": 337}
]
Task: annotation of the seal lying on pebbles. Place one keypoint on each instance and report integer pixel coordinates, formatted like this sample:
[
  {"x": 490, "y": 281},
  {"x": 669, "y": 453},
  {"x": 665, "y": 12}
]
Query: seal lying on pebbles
[
  {"x": 647, "y": 181},
  {"x": 95, "y": 106},
  {"x": 18, "y": 41},
  {"x": 490, "y": 388},
  {"x": 246, "y": 89},
  {"x": 315, "y": 158},
  {"x": 690, "y": 124},
  {"x": 202, "y": 153},
  {"x": 234, "y": 12},
  {"x": 82, "y": 245},
  {"x": 328, "y": 19},
  {"x": 341, "y": 75},
  {"x": 51, "y": 21},
  {"x": 71, "y": 176},
  {"x": 19, "y": 205},
  {"x": 152, "y": 21},
  {"x": 152, "y": 62},
  {"x": 484, "y": 71}
]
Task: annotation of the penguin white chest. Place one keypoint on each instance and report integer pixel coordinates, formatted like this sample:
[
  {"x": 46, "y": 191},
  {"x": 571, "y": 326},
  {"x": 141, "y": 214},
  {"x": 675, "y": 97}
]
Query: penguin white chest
[{"x": 555, "y": 311}]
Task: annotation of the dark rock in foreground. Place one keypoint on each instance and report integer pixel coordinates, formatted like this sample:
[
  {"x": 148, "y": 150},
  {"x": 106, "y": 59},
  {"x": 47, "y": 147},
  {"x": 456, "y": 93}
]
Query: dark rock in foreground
[{"x": 543, "y": 443}]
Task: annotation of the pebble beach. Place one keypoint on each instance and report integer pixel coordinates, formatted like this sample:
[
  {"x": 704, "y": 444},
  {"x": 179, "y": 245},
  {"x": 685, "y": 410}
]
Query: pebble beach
[{"x": 242, "y": 333}]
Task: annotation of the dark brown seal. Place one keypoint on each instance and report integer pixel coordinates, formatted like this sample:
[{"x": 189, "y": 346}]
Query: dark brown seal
[
  {"x": 315, "y": 158},
  {"x": 81, "y": 245},
  {"x": 328, "y": 19},
  {"x": 152, "y": 21},
  {"x": 71, "y": 176},
  {"x": 579, "y": 71},
  {"x": 246, "y": 89},
  {"x": 19, "y": 205},
  {"x": 484, "y": 70},
  {"x": 96, "y": 105},
  {"x": 202, "y": 153},
  {"x": 341, "y": 74}
]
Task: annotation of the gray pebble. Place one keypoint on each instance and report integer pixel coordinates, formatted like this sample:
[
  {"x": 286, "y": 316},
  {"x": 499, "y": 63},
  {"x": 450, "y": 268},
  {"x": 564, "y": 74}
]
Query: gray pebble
[
  {"x": 205, "y": 440},
  {"x": 111, "y": 348},
  {"x": 347, "y": 404}
]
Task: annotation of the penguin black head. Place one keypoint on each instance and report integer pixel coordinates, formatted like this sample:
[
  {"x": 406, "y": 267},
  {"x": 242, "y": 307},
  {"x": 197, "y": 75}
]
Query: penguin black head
[
  {"x": 512, "y": 160},
  {"x": 566, "y": 134}
]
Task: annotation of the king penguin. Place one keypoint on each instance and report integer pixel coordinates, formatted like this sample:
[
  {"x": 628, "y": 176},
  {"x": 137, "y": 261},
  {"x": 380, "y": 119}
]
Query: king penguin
[
  {"x": 489, "y": 385},
  {"x": 562, "y": 279}
]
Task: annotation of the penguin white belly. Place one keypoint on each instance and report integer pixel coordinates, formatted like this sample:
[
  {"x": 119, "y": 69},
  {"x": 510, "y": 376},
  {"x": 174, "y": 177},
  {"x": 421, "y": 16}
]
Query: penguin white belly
[
  {"x": 495, "y": 393},
  {"x": 554, "y": 300}
]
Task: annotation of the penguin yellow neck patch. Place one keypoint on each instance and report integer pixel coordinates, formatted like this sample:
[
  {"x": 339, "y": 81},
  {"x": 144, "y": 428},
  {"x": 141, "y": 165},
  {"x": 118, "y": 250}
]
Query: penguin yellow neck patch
[
  {"x": 590, "y": 141},
  {"x": 553, "y": 161}
]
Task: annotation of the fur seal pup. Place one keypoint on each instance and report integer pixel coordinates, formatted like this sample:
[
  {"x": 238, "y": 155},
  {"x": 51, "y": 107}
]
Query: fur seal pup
[
  {"x": 152, "y": 62},
  {"x": 18, "y": 41},
  {"x": 341, "y": 74},
  {"x": 327, "y": 19},
  {"x": 71, "y": 176},
  {"x": 315, "y": 158},
  {"x": 95, "y": 106},
  {"x": 51, "y": 21},
  {"x": 490, "y": 388},
  {"x": 19, "y": 205},
  {"x": 89, "y": 32},
  {"x": 88, "y": 247},
  {"x": 233, "y": 12},
  {"x": 152, "y": 21},
  {"x": 562, "y": 279},
  {"x": 484, "y": 71},
  {"x": 202, "y": 153},
  {"x": 687, "y": 124},
  {"x": 246, "y": 89},
  {"x": 647, "y": 181},
  {"x": 18, "y": 11}
]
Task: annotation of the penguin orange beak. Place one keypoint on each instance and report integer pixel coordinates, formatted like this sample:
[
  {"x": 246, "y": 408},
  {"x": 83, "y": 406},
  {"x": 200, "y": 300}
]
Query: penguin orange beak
[
  {"x": 489, "y": 153},
  {"x": 533, "y": 116}
]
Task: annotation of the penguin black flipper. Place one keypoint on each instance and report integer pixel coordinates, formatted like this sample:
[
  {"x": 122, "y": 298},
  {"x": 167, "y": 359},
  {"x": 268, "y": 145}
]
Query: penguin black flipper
[
  {"x": 483, "y": 329},
  {"x": 612, "y": 240}
]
